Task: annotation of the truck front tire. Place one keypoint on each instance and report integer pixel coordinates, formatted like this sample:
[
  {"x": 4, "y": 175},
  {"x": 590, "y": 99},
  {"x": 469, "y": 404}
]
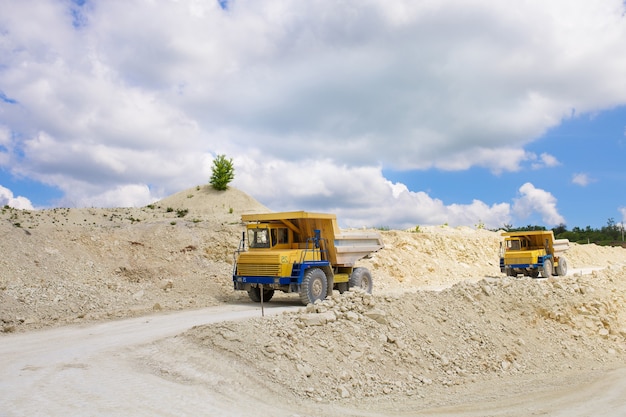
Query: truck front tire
[
  {"x": 546, "y": 272},
  {"x": 361, "y": 278},
  {"x": 314, "y": 286}
]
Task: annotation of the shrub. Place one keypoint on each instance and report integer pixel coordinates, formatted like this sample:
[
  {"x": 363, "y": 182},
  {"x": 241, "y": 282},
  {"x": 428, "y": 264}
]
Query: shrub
[{"x": 223, "y": 173}]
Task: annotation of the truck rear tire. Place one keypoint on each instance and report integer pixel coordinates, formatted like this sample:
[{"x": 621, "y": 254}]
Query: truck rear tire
[
  {"x": 314, "y": 286},
  {"x": 255, "y": 294},
  {"x": 361, "y": 278},
  {"x": 561, "y": 269},
  {"x": 546, "y": 272}
]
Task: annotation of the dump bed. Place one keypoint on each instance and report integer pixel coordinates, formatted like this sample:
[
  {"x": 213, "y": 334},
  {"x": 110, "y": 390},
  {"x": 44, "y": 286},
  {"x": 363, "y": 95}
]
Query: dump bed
[
  {"x": 560, "y": 246},
  {"x": 352, "y": 246},
  {"x": 344, "y": 248}
]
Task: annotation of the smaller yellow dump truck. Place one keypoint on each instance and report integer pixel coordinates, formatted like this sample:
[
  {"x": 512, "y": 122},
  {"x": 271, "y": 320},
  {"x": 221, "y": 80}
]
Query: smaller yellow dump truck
[
  {"x": 533, "y": 253},
  {"x": 300, "y": 252}
]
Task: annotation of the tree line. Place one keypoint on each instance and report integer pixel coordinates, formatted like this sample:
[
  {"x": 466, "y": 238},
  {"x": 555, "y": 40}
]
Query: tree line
[{"x": 612, "y": 234}]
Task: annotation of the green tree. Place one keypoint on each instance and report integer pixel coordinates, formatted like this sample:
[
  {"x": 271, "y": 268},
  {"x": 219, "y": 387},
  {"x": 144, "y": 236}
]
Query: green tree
[
  {"x": 561, "y": 228},
  {"x": 223, "y": 172}
]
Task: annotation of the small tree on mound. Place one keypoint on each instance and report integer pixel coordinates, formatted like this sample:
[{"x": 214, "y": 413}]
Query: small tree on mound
[{"x": 223, "y": 172}]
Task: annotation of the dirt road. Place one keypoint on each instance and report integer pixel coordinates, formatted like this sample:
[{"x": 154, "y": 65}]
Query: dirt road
[
  {"x": 96, "y": 370},
  {"x": 89, "y": 370}
]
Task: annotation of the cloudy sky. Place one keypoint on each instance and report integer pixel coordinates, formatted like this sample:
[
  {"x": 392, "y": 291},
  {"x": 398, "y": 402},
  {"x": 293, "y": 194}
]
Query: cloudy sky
[{"x": 389, "y": 113}]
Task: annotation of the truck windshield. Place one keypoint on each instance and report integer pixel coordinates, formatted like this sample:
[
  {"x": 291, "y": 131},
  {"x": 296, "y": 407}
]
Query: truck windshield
[
  {"x": 513, "y": 245},
  {"x": 258, "y": 238}
]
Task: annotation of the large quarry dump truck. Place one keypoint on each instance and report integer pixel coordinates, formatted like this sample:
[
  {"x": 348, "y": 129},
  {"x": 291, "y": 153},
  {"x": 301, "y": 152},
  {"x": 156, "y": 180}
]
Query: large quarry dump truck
[
  {"x": 300, "y": 252},
  {"x": 533, "y": 253}
]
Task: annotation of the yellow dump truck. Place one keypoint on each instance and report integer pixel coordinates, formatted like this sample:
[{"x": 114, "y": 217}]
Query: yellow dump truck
[
  {"x": 300, "y": 252},
  {"x": 533, "y": 253}
]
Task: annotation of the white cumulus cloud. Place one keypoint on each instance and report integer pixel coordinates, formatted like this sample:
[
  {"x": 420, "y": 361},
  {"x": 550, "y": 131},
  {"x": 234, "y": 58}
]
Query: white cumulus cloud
[
  {"x": 8, "y": 199},
  {"x": 119, "y": 102},
  {"x": 581, "y": 179},
  {"x": 361, "y": 196},
  {"x": 535, "y": 200},
  {"x": 544, "y": 161}
]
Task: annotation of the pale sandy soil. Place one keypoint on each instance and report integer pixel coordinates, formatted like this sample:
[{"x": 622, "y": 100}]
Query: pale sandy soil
[{"x": 131, "y": 312}]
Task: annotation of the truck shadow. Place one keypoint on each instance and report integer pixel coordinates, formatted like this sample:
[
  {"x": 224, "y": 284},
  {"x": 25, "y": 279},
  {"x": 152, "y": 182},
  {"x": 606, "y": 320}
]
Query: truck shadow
[{"x": 279, "y": 300}]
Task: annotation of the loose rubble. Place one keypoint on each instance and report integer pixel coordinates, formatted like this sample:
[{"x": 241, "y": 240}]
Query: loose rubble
[{"x": 360, "y": 345}]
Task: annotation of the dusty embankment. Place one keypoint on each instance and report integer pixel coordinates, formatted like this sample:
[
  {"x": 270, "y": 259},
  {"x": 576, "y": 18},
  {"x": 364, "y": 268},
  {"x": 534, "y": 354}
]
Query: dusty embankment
[
  {"x": 428, "y": 346},
  {"x": 479, "y": 339}
]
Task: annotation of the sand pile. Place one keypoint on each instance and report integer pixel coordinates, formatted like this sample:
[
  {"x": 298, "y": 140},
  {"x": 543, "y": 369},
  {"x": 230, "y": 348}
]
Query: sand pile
[
  {"x": 358, "y": 345},
  {"x": 64, "y": 266}
]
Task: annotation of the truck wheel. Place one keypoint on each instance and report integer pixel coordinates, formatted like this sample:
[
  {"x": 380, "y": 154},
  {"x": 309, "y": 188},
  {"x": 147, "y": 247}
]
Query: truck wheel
[
  {"x": 255, "y": 294},
  {"x": 546, "y": 272},
  {"x": 314, "y": 286},
  {"x": 361, "y": 278},
  {"x": 561, "y": 269}
]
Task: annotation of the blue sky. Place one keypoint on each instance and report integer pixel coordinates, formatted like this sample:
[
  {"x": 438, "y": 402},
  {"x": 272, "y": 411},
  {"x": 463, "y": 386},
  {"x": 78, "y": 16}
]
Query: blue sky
[
  {"x": 588, "y": 181},
  {"x": 390, "y": 114}
]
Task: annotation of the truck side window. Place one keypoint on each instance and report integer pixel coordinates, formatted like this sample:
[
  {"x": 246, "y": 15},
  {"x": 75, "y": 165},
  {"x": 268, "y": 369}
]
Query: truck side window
[
  {"x": 280, "y": 236},
  {"x": 283, "y": 235}
]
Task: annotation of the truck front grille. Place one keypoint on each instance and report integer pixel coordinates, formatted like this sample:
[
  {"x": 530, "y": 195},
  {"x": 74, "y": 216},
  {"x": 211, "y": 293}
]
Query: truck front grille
[
  {"x": 258, "y": 270},
  {"x": 251, "y": 264},
  {"x": 517, "y": 261}
]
